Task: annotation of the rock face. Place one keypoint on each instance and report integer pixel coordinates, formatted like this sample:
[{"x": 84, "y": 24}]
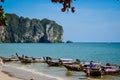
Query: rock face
[
  {"x": 2, "y": 33},
  {"x": 25, "y": 30}
]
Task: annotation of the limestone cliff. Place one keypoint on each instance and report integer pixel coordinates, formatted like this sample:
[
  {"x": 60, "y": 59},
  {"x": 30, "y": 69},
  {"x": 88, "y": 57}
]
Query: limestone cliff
[
  {"x": 27, "y": 30},
  {"x": 2, "y": 33}
]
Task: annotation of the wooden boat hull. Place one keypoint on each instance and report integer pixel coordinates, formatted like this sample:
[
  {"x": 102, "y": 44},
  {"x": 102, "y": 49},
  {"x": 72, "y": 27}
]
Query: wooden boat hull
[
  {"x": 25, "y": 60},
  {"x": 51, "y": 63},
  {"x": 92, "y": 72},
  {"x": 95, "y": 73},
  {"x": 111, "y": 70},
  {"x": 10, "y": 59},
  {"x": 73, "y": 68},
  {"x": 54, "y": 64},
  {"x": 112, "y": 73}
]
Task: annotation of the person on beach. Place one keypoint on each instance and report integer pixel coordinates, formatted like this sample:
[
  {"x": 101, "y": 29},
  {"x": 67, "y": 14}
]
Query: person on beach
[
  {"x": 1, "y": 64},
  {"x": 91, "y": 64},
  {"x": 88, "y": 71}
]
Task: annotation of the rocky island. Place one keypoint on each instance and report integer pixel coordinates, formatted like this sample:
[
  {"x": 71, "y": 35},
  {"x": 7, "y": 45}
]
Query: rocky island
[{"x": 25, "y": 30}]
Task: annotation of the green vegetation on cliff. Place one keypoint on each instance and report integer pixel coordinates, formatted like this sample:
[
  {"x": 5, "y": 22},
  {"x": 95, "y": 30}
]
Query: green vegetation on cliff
[{"x": 27, "y": 30}]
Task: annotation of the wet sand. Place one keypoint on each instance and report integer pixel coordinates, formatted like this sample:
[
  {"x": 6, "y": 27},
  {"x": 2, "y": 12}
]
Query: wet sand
[
  {"x": 13, "y": 73},
  {"x": 4, "y": 76}
]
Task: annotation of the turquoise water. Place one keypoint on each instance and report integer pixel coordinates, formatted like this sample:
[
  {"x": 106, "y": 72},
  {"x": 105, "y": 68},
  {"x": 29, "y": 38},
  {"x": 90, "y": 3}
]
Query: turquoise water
[{"x": 99, "y": 52}]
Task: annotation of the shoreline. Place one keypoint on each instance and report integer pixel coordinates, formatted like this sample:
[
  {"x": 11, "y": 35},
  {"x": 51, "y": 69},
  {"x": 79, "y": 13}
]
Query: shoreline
[
  {"x": 15, "y": 73},
  {"x": 7, "y": 76}
]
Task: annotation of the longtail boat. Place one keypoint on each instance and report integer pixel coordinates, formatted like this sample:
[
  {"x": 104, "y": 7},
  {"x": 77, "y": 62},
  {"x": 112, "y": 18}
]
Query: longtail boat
[
  {"x": 92, "y": 70},
  {"x": 111, "y": 70},
  {"x": 26, "y": 59},
  {"x": 59, "y": 62},
  {"x": 74, "y": 67}
]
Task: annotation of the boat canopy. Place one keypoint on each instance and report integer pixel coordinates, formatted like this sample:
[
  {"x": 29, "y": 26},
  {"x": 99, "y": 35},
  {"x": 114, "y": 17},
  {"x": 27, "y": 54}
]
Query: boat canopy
[
  {"x": 94, "y": 63},
  {"x": 38, "y": 58},
  {"x": 66, "y": 60},
  {"x": 111, "y": 67}
]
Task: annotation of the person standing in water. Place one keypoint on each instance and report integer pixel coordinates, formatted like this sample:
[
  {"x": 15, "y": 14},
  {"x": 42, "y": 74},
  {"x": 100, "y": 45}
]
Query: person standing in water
[{"x": 88, "y": 71}]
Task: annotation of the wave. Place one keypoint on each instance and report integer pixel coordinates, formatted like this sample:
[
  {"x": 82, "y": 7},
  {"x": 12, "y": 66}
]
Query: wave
[{"x": 22, "y": 69}]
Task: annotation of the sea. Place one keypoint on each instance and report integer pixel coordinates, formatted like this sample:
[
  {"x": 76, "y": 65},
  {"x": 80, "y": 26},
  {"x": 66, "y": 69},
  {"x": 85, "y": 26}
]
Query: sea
[{"x": 87, "y": 51}]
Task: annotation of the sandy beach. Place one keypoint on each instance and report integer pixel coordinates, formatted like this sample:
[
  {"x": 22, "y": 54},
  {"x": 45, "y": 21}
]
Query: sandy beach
[
  {"x": 4, "y": 76},
  {"x": 13, "y": 73}
]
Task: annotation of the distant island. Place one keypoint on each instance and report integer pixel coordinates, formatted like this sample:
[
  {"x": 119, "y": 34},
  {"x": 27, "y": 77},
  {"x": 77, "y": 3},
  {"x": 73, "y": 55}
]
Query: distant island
[
  {"x": 69, "y": 41},
  {"x": 25, "y": 30}
]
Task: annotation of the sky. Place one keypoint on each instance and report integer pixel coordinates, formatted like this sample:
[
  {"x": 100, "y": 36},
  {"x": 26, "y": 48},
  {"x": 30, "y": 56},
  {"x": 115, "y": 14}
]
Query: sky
[{"x": 93, "y": 20}]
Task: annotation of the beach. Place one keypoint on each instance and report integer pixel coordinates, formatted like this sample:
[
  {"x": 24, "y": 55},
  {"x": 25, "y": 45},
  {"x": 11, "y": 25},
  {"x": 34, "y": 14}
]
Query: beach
[
  {"x": 5, "y": 76},
  {"x": 15, "y": 73},
  {"x": 98, "y": 52}
]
